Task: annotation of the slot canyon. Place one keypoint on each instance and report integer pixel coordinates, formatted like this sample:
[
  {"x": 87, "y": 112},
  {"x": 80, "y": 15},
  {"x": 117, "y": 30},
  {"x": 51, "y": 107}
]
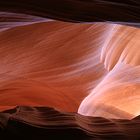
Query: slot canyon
[{"x": 70, "y": 69}]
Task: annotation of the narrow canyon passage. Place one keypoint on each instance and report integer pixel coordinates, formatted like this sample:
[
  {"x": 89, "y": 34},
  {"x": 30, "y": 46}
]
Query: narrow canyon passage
[{"x": 70, "y": 69}]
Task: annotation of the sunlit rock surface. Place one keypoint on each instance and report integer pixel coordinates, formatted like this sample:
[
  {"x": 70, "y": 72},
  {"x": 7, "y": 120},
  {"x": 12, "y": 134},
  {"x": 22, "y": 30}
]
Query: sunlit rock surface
[
  {"x": 118, "y": 94},
  {"x": 58, "y": 64},
  {"x": 50, "y": 64}
]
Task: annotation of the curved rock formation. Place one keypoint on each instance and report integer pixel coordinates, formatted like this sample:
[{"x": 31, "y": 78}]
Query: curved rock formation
[
  {"x": 119, "y": 90},
  {"x": 9, "y": 20},
  {"x": 117, "y": 11},
  {"x": 90, "y": 68},
  {"x": 65, "y": 70},
  {"x": 50, "y": 64},
  {"x": 43, "y": 122}
]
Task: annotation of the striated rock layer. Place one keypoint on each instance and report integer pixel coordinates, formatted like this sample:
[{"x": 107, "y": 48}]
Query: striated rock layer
[
  {"x": 43, "y": 122},
  {"x": 118, "y": 94},
  {"x": 50, "y": 64},
  {"x": 58, "y": 64},
  {"x": 113, "y": 11},
  {"x": 92, "y": 69}
]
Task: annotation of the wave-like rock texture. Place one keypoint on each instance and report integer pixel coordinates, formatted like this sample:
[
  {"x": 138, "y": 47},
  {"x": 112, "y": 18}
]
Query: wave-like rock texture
[
  {"x": 9, "y": 20},
  {"x": 90, "y": 68},
  {"x": 117, "y": 11},
  {"x": 50, "y": 64},
  {"x": 48, "y": 123},
  {"x": 58, "y": 64},
  {"x": 118, "y": 94}
]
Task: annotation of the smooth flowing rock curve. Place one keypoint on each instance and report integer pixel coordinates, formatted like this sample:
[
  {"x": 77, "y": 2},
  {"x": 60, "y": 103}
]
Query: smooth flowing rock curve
[
  {"x": 58, "y": 64},
  {"x": 90, "y": 67}
]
